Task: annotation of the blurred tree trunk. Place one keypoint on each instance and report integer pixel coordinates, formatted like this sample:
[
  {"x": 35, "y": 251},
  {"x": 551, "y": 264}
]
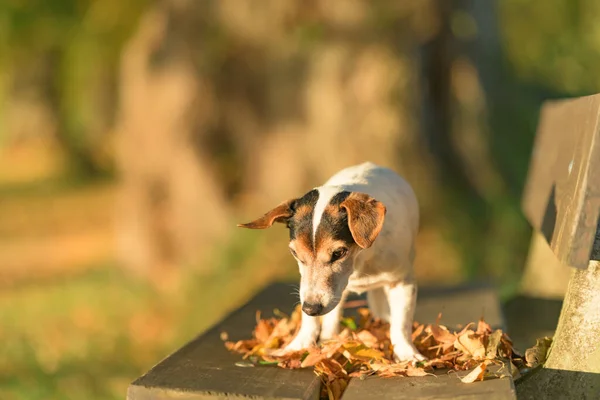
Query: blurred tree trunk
[
  {"x": 462, "y": 64},
  {"x": 228, "y": 108},
  {"x": 170, "y": 203}
]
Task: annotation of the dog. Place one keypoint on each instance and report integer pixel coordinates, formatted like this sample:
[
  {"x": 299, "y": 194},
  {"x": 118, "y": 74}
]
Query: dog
[{"x": 356, "y": 234}]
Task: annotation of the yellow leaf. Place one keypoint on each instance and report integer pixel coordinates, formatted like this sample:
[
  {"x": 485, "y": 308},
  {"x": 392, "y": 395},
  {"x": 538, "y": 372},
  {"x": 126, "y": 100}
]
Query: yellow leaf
[
  {"x": 357, "y": 350},
  {"x": 477, "y": 374}
]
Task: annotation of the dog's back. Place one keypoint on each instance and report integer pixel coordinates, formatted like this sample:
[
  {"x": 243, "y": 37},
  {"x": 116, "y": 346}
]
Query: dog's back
[
  {"x": 393, "y": 250},
  {"x": 384, "y": 185}
]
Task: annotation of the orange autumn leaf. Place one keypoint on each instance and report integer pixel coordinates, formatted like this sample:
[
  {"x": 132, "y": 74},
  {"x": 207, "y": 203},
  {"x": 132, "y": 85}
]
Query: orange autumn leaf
[
  {"x": 483, "y": 327},
  {"x": 477, "y": 374},
  {"x": 441, "y": 334},
  {"x": 313, "y": 358}
]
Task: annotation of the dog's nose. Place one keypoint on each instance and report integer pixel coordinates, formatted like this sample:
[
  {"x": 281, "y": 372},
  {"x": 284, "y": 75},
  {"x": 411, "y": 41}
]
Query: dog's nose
[{"x": 312, "y": 309}]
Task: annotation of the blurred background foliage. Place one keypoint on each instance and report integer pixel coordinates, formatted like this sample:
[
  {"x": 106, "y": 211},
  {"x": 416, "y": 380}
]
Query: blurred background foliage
[{"x": 134, "y": 135}]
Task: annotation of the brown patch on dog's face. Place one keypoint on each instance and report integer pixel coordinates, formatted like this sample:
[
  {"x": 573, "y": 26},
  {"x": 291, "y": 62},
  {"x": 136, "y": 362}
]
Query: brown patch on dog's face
[{"x": 350, "y": 222}]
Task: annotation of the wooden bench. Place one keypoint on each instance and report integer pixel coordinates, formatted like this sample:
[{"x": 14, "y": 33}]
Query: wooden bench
[
  {"x": 204, "y": 369},
  {"x": 562, "y": 203}
]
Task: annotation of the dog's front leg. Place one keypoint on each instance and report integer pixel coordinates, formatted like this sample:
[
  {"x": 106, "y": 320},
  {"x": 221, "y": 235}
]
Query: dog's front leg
[
  {"x": 307, "y": 335},
  {"x": 330, "y": 326},
  {"x": 402, "y": 299}
]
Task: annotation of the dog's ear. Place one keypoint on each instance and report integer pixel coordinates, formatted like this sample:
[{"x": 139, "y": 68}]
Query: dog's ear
[
  {"x": 365, "y": 218},
  {"x": 279, "y": 214}
]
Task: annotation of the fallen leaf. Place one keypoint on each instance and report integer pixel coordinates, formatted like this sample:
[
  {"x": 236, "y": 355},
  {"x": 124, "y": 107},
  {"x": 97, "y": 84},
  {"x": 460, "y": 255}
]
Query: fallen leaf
[
  {"x": 483, "y": 327},
  {"x": 491, "y": 351},
  {"x": 290, "y": 364},
  {"x": 477, "y": 374},
  {"x": 441, "y": 334},
  {"x": 358, "y": 350},
  {"x": 367, "y": 338},
  {"x": 349, "y": 323},
  {"x": 312, "y": 358},
  {"x": 417, "y": 332},
  {"x": 335, "y": 389},
  {"x": 262, "y": 330},
  {"x": 471, "y": 344},
  {"x": 363, "y": 347},
  {"x": 244, "y": 364},
  {"x": 262, "y": 362},
  {"x": 537, "y": 354}
]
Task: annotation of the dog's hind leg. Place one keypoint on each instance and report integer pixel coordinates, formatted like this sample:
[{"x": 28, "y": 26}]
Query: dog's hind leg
[{"x": 378, "y": 303}]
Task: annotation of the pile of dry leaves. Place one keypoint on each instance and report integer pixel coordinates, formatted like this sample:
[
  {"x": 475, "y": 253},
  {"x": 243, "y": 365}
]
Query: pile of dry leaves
[{"x": 363, "y": 348}]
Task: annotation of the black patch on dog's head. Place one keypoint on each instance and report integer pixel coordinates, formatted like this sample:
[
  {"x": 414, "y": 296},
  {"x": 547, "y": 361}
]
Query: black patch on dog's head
[
  {"x": 300, "y": 223},
  {"x": 334, "y": 222}
]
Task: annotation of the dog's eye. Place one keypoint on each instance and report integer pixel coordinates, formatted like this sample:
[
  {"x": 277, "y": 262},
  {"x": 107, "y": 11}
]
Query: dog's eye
[{"x": 339, "y": 253}]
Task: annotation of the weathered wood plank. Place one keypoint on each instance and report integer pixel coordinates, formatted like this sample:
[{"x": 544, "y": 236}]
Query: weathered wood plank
[
  {"x": 442, "y": 386},
  {"x": 562, "y": 195},
  {"x": 204, "y": 369},
  {"x": 459, "y": 306}
]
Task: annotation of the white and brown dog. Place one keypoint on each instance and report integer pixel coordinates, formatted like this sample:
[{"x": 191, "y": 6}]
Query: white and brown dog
[{"x": 353, "y": 234}]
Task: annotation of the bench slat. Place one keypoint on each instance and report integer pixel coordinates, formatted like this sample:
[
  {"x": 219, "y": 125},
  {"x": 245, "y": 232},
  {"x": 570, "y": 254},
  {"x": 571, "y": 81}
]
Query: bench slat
[
  {"x": 205, "y": 369},
  {"x": 562, "y": 194},
  {"x": 458, "y": 307},
  {"x": 441, "y": 386}
]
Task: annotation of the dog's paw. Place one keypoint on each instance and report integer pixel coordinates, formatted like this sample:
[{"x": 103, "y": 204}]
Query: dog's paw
[
  {"x": 299, "y": 343},
  {"x": 326, "y": 336},
  {"x": 408, "y": 353}
]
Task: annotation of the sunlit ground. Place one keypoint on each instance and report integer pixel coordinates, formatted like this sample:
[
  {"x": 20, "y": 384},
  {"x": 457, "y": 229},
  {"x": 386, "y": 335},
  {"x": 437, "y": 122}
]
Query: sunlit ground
[
  {"x": 88, "y": 336},
  {"x": 73, "y": 323}
]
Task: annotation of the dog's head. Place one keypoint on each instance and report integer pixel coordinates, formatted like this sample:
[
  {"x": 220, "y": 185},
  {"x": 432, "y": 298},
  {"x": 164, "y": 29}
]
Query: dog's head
[{"x": 328, "y": 229}]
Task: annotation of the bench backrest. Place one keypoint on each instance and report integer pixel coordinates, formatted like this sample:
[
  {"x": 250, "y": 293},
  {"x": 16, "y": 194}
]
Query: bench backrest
[{"x": 562, "y": 195}]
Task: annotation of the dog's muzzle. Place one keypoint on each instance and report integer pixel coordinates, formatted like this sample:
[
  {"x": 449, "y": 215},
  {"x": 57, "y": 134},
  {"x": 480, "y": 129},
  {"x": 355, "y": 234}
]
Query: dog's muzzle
[{"x": 312, "y": 309}]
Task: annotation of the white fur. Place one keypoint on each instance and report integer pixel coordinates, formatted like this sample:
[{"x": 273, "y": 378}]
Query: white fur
[
  {"x": 326, "y": 193},
  {"x": 385, "y": 270}
]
